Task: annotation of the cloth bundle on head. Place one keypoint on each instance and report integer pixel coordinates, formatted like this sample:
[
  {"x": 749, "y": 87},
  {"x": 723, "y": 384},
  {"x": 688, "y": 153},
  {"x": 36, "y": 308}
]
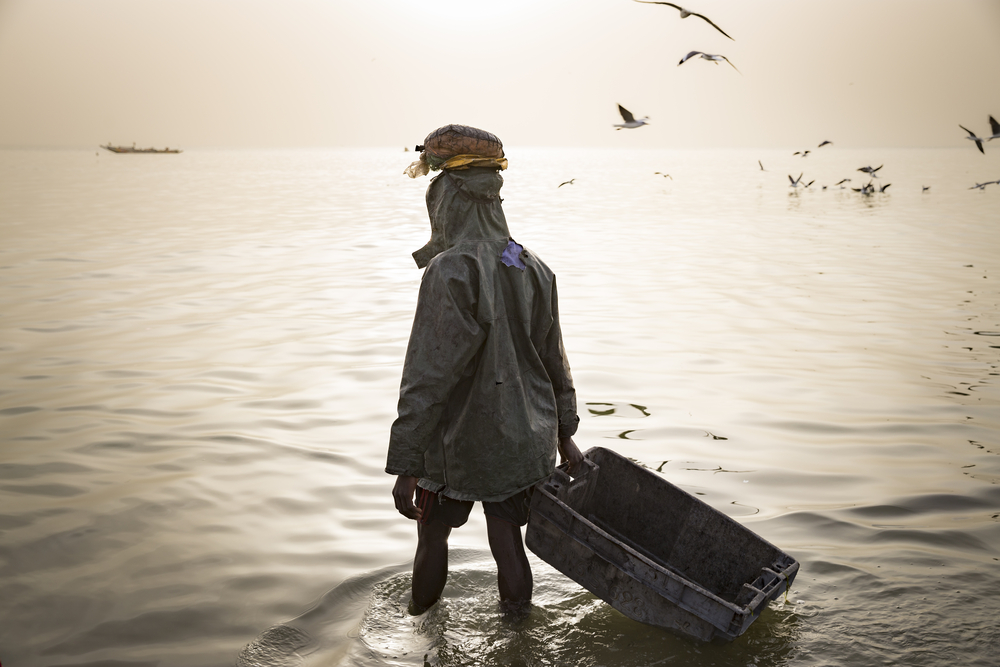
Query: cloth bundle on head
[{"x": 454, "y": 147}]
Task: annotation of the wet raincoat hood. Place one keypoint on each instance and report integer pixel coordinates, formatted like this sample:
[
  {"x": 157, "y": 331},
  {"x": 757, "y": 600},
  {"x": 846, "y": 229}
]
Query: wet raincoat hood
[
  {"x": 486, "y": 389},
  {"x": 463, "y": 205}
]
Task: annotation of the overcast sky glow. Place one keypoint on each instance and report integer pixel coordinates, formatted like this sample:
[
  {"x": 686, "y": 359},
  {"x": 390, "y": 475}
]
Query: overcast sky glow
[{"x": 256, "y": 73}]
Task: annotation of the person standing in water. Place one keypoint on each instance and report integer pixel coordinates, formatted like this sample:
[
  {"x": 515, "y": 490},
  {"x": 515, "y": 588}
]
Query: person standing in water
[{"x": 486, "y": 397}]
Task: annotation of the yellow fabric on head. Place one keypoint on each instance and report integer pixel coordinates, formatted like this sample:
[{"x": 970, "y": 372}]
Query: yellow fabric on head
[
  {"x": 422, "y": 166},
  {"x": 466, "y": 161}
]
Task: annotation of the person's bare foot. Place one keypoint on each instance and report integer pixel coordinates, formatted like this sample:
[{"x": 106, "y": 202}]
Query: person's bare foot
[
  {"x": 415, "y": 609},
  {"x": 515, "y": 612}
]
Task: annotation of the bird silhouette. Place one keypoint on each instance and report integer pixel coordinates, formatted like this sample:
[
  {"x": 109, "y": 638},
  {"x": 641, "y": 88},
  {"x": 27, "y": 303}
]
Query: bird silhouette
[
  {"x": 630, "y": 120},
  {"x": 994, "y": 128},
  {"x": 706, "y": 56},
  {"x": 972, "y": 137},
  {"x": 686, "y": 13},
  {"x": 796, "y": 182}
]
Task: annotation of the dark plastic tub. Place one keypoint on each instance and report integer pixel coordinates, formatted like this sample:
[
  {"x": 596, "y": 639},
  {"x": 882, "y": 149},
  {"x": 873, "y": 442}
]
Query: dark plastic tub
[{"x": 654, "y": 552}]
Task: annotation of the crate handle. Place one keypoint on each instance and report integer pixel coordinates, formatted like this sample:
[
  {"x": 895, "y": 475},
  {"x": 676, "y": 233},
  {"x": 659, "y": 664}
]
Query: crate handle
[
  {"x": 589, "y": 468},
  {"x": 561, "y": 477}
]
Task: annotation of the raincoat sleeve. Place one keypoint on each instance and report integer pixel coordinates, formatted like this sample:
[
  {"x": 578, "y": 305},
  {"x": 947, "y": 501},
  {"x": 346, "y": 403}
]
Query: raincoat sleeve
[
  {"x": 553, "y": 356},
  {"x": 444, "y": 339}
]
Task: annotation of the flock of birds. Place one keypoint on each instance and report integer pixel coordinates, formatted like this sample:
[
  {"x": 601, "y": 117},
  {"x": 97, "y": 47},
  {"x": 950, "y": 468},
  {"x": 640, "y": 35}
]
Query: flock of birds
[
  {"x": 871, "y": 187},
  {"x": 867, "y": 189},
  {"x": 629, "y": 122}
]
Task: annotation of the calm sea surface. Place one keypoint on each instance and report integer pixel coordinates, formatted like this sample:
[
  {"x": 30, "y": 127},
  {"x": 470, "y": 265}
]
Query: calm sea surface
[{"x": 200, "y": 356}]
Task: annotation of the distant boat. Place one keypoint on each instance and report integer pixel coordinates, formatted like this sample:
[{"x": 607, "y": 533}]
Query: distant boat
[{"x": 133, "y": 149}]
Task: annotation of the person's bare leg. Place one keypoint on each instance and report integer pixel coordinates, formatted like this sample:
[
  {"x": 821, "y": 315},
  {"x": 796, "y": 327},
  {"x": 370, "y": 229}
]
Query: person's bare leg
[
  {"x": 513, "y": 570},
  {"x": 430, "y": 565}
]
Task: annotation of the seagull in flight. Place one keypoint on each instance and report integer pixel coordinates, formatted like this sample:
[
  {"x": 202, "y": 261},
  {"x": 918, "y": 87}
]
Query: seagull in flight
[
  {"x": 664, "y": 175},
  {"x": 569, "y": 182},
  {"x": 972, "y": 137},
  {"x": 707, "y": 56},
  {"x": 871, "y": 172},
  {"x": 802, "y": 153},
  {"x": 994, "y": 128},
  {"x": 629, "y": 119},
  {"x": 824, "y": 144},
  {"x": 685, "y": 13}
]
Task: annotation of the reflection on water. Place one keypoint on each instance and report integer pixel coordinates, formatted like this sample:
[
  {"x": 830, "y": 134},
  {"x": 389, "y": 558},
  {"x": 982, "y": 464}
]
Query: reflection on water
[{"x": 201, "y": 356}]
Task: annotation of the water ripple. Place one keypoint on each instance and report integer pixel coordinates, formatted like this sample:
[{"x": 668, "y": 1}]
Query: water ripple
[{"x": 197, "y": 392}]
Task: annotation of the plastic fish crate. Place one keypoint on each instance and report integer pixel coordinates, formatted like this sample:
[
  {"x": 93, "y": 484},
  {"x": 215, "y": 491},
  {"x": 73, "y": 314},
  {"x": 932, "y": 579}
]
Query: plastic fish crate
[{"x": 654, "y": 552}]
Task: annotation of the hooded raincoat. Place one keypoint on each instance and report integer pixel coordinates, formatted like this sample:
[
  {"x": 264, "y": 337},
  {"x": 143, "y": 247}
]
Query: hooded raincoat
[{"x": 486, "y": 389}]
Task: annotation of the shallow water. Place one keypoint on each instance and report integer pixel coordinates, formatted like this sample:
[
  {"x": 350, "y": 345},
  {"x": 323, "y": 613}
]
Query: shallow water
[{"x": 201, "y": 353}]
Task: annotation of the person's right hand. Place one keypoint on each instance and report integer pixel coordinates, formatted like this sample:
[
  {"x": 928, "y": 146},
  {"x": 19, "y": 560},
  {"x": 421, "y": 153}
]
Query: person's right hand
[
  {"x": 570, "y": 452},
  {"x": 402, "y": 493}
]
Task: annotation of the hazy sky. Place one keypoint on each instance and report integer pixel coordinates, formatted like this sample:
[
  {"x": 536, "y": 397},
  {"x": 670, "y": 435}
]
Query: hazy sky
[{"x": 200, "y": 73}]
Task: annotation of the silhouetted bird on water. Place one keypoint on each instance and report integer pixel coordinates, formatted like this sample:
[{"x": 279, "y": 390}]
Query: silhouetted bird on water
[
  {"x": 796, "y": 182},
  {"x": 685, "y": 13}
]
